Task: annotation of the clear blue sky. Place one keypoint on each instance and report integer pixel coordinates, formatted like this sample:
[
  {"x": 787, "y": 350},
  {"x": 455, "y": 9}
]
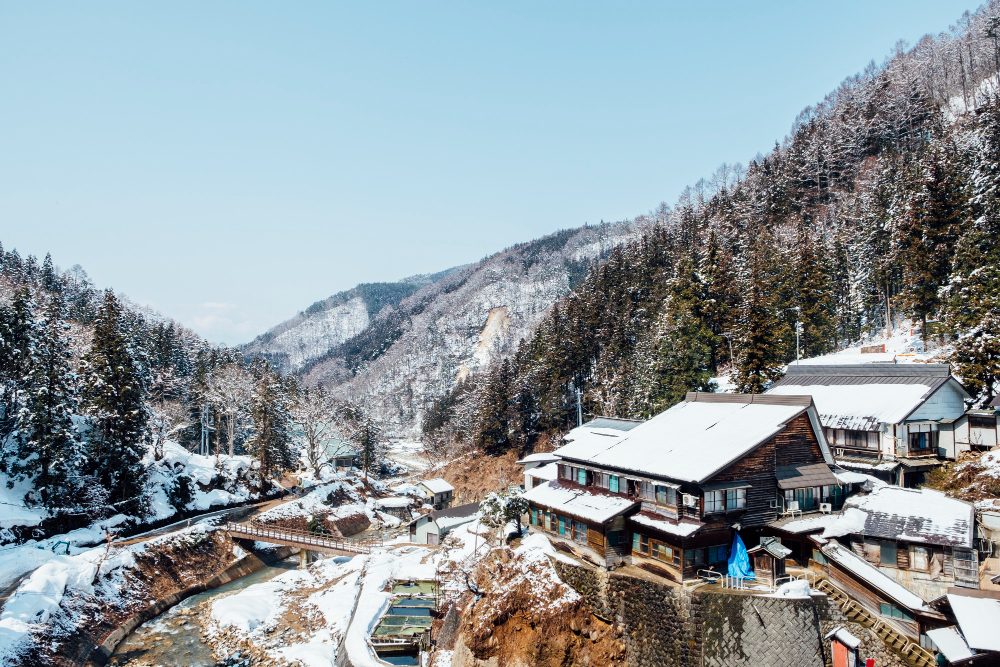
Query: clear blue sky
[{"x": 230, "y": 163}]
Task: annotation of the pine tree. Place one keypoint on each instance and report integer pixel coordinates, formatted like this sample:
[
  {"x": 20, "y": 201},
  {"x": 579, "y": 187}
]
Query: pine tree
[
  {"x": 50, "y": 281},
  {"x": 271, "y": 443},
  {"x": 16, "y": 322},
  {"x": 48, "y": 443},
  {"x": 493, "y": 432},
  {"x": 115, "y": 389},
  {"x": 812, "y": 296},
  {"x": 758, "y": 359}
]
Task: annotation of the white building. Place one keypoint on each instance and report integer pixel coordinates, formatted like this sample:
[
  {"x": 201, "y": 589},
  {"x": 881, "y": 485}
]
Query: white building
[
  {"x": 432, "y": 527},
  {"x": 894, "y": 421},
  {"x": 438, "y": 492}
]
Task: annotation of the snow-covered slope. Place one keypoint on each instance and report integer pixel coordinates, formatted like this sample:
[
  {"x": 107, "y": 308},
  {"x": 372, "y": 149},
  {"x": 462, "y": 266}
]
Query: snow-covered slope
[{"x": 412, "y": 351}]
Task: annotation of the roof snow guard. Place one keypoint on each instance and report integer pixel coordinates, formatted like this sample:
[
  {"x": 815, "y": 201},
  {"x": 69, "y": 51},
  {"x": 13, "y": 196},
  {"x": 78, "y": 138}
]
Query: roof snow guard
[
  {"x": 695, "y": 439},
  {"x": 863, "y": 396}
]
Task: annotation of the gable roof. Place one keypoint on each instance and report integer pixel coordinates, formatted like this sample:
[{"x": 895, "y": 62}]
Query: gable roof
[
  {"x": 448, "y": 516},
  {"x": 978, "y": 618},
  {"x": 871, "y": 575},
  {"x": 436, "y": 485},
  {"x": 862, "y": 396},
  {"x": 911, "y": 515},
  {"x": 694, "y": 439}
]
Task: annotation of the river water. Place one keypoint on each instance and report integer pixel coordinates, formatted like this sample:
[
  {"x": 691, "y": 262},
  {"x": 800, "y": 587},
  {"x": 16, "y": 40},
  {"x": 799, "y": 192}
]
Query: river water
[{"x": 174, "y": 637}]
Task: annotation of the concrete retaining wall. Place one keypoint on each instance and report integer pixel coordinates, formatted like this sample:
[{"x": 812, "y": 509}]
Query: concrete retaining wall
[{"x": 99, "y": 656}]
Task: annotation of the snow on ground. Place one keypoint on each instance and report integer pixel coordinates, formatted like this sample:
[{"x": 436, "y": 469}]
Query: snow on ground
[
  {"x": 16, "y": 561},
  {"x": 37, "y": 597},
  {"x": 204, "y": 471},
  {"x": 409, "y": 454}
]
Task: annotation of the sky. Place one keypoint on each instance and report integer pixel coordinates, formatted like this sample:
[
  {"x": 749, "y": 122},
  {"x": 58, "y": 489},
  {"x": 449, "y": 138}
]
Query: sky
[{"x": 228, "y": 164}]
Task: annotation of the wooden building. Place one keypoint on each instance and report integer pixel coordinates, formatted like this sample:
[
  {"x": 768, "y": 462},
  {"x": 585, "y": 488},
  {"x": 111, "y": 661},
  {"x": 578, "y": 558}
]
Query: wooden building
[
  {"x": 895, "y": 421},
  {"x": 674, "y": 490},
  {"x": 768, "y": 560}
]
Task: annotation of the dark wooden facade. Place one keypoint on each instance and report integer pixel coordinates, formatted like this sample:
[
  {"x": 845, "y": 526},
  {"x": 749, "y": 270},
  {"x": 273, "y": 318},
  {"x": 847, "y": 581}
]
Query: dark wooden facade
[{"x": 686, "y": 555}]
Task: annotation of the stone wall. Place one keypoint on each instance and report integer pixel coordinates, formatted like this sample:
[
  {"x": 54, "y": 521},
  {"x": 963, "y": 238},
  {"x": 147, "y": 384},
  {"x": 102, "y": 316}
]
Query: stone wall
[
  {"x": 754, "y": 630},
  {"x": 663, "y": 624},
  {"x": 872, "y": 647}
]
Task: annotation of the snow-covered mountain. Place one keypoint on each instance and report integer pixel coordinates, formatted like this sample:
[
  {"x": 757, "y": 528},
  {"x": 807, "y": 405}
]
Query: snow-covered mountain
[{"x": 396, "y": 347}]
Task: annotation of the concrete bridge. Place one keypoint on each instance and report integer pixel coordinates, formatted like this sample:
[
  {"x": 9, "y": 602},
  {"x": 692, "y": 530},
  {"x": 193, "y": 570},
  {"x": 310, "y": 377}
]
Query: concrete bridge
[{"x": 303, "y": 539}]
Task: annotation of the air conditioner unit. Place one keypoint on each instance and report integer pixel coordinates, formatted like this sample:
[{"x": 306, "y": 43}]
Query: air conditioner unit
[
  {"x": 825, "y": 508},
  {"x": 839, "y": 451},
  {"x": 793, "y": 506},
  {"x": 690, "y": 501}
]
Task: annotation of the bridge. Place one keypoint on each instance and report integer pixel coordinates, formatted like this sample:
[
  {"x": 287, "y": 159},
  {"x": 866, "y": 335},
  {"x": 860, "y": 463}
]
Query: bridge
[{"x": 303, "y": 539}]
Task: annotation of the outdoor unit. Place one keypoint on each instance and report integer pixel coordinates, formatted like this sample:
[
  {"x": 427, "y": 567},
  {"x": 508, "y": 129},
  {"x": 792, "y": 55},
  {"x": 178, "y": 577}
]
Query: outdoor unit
[
  {"x": 839, "y": 451},
  {"x": 825, "y": 508},
  {"x": 690, "y": 501}
]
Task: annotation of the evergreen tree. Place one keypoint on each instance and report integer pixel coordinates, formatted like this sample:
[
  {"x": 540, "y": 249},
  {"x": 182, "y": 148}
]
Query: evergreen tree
[
  {"x": 50, "y": 281},
  {"x": 493, "y": 432},
  {"x": 48, "y": 444},
  {"x": 115, "y": 391},
  {"x": 271, "y": 443},
  {"x": 758, "y": 360},
  {"x": 813, "y": 296},
  {"x": 16, "y": 322}
]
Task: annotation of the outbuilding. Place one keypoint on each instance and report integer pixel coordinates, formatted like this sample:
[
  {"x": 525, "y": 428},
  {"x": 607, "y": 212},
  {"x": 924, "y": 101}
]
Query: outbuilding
[{"x": 433, "y": 526}]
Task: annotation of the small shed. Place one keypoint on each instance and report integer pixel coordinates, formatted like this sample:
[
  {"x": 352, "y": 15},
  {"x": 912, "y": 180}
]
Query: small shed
[
  {"x": 768, "y": 559},
  {"x": 844, "y": 647},
  {"x": 341, "y": 454},
  {"x": 433, "y": 526}
]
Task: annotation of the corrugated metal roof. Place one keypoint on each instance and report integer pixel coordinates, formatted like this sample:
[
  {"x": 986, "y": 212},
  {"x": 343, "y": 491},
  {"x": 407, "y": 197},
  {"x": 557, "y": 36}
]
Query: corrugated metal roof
[{"x": 613, "y": 423}]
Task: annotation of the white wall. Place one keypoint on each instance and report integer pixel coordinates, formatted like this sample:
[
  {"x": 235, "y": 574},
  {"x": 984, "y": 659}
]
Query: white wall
[
  {"x": 424, "y": 526},
  {"x": 945, "y": 403}
]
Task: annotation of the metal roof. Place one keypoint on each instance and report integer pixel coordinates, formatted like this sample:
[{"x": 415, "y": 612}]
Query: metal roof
[
  {"x": 615, "y": 423},
  {"x": 801, "y": 476}
]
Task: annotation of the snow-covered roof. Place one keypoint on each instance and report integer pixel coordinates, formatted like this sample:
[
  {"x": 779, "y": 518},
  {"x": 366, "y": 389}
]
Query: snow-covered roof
[
  {"x": 863, "y": 396},
  {"x": 848, "y": 477},
  {"x": 582, "y": 503},
  {"x": 951, "y": 643},
  {"x": 913, "y": 515},
  {"x": 772, "y": 546},
  {"x": 436, "y": 485},
  {"x": 585, "y": 440},
  {"x": 541, "y": 457},
  {"x": 548, "y": 472},
  {"x": 666, "y": 524},
  {"x": 844, "y": 637},
  {"x": 847, "y": 359},
  {"x": 615, "y": 423},
  {"x": 805, "y": 525},
  {"x": 868, "y": 573},
  {"x": 979, "y": 619},
  {"x": 694, "y": 439}
]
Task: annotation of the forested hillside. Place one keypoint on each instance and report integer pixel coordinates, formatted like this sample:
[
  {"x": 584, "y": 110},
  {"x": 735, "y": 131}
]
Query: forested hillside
[
  {"x": 880, "y": 205},
  {"x": 92, "y": 389}
]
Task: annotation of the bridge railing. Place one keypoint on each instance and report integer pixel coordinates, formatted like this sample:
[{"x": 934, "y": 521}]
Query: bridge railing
[{"x": 305, "y": 537}]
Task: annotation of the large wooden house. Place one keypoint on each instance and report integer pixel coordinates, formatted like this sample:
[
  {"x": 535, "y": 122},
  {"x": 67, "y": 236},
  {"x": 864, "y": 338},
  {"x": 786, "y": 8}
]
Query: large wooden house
[
  {"x": 893, "y": 421},
  {"x": 676, "y": 489}
]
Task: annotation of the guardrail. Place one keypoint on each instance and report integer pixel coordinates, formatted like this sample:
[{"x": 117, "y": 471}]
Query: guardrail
[{"x": 303, "y": 538}]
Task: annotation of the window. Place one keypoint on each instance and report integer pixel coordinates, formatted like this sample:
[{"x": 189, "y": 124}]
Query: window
[
  {"x": 636, "y": 543},
  {"x": 644, "y": 544},
  {"x": 807, "y": 498},
  {"x": 887, "y": 553},
  {"x": 892, "y": 611},
  {"x": 613, "y": 484},
  {"x": 919, "y": 558},
  {"x": 715, "y": 501},
  {"x": 725, "y": 501},
  {"x": 562, "y": 525},
  {"x": 581, "y": 477},
  {"x": 646, "y": 491},
  {"x": 718, "y": 554},
  {"x": 664, "y": 553},
  {"x": 978, "y": 421},
  {"x": 666, "y": 495},
  {"x": 922, "y": 439},
  {"x": 833, "y": 494},
  {"x": 534, "y": 517},
  {"x": 616, "y": 537},
  {"x": 694, "y": 557},
  {"x": 548, "y": 521},
  {"x": 847, "y": 438},
  {"x": 579, "y": 531},
  {"x": 819, "y": 557},
  {"x": 565, "y": 472},
  {"x": 601, "y": 479}
]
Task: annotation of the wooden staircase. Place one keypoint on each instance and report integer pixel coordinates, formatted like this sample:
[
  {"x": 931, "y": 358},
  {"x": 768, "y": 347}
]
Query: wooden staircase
[{"x": 912, "y": 653}]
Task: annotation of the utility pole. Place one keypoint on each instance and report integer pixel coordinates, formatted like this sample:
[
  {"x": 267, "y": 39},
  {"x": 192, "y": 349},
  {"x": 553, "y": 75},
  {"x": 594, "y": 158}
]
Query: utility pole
[
  {"x": 203, "y": 450},
  {"x": 798, "y": 328},
  {"x": 579, "y": 408}
]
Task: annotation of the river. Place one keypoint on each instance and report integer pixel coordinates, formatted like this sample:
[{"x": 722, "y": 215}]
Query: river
[{"x": 175, "y": 637}]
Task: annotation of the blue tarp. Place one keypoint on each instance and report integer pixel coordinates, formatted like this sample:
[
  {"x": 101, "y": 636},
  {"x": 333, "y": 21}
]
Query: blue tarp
[{"x": 739, "y": 561}]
